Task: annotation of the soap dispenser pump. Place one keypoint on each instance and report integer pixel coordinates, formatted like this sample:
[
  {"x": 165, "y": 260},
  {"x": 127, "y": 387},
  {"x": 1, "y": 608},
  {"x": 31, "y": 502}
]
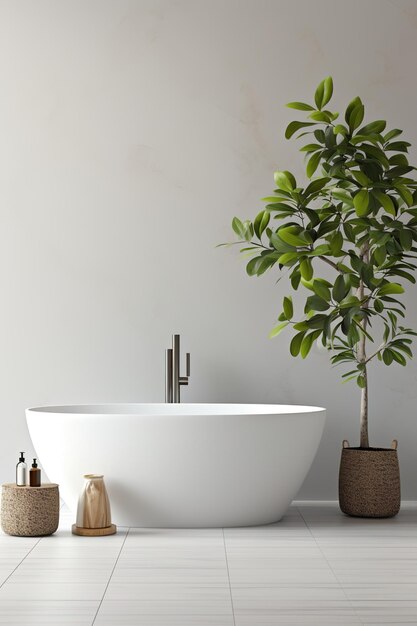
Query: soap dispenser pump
[
  {"x": 35, "y": 475},
  {"x": 21, "y": 468}
]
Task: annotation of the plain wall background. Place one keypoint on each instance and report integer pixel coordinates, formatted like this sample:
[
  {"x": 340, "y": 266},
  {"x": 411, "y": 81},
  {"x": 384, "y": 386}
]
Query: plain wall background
[{"x": 131, "y": 132}]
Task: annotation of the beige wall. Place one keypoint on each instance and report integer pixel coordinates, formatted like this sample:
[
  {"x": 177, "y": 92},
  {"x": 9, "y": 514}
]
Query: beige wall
[{"x": 130, "y": 134}]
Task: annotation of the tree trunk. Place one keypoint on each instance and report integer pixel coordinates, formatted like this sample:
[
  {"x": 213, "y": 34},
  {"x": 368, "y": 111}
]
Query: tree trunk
[{"x": 364, "y": 437}]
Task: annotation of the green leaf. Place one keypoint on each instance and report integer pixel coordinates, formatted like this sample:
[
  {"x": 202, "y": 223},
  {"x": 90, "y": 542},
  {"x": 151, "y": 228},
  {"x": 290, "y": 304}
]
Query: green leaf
[
  {"x": 279, "y": 245},
  {"x": 390, "y": 288},
  {"x": 380, "y": 254},
  {"x": 261, "y": 222},
  {"x": 400, "y": 358},
  {"x": 341, "y": 288},
  {"x": 294, "y": 126},
  {"x": 356, "y": 117},
  {"x": 399, "y": 170},
  {"x": 315, "y": 303},
  {"x": 361, "y": 380},
  {"x": 398, "y": 159},
  {"x": 321, "y": 290},
  {"x": 313, "y": 164},
  {"x": 361, "y": 202},
  {"x": 356, "y": 264},
  {"x": 340, "y": 129},
  {"x": 252, "y": 266},
  {"x": 276, "y": 331},
  {"x": 266, "y": 261},
  {"x": 321, "y": 116},
  {"x": 374, "y": 152},
  {"x": 280, "y": 207},
  {"x": 378, "y": 305},
  {"x": 248, "y": 226},
  {"x": 362, "y": 179},
  {"x": 300, "y": 106},
  {"x": 274, "y": 199},
  {"x": 385, "y": 201},
  {"x": 285, "y": 180},
  {"x": 307, "y": 284},
  {"x": 322, "y": 249},
  {"x": 318, "y": 96},
  {"x": 336, "y": 243},
  {"x": 392, "y": 133},
  {"x": 318, "y": 321},
  {"x": 238, "y": 227},
  {"x": 289, "y": 235},
  {"x": 342, "y": 195},
  {"x": 401, "y": 160},
  {"x": 349, "y": 302},
  {"x": 307, "y": 343},
  {"x": 295, "y": 344},
  {"x": 348, "y": 230},
  {"x": 316, "y": 185},
  {"x": 323, "y": 92},
  {"x": 354, "y": 104},
  {"x": 405, "y": 194},
  {"x": 311, "y": 147},
  {"x": 398, "y": 146},
  {"x": 301, "y": 325},
  {"x": 288, "y": 257},
  {"x": 387, "y": 356},
  {"x": 288, "y": 307},
  {"x": 306, "y": 269},
  {"x": 405, "y": 275},
  {"x": 406, "y": 239},
  {"x": 373, "y": 128}
]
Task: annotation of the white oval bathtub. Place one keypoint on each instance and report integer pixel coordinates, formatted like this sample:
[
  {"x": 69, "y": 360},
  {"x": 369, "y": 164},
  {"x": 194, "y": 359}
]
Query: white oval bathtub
[{"x": 181, "y": 465}]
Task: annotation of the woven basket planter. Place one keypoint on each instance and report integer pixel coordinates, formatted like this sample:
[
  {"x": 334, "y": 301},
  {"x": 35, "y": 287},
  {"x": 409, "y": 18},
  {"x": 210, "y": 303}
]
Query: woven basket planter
[{"x": 369, "y": 481}]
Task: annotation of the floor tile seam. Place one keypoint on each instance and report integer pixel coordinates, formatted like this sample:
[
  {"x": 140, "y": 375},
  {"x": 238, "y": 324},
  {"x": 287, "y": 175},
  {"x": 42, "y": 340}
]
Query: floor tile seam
[
  {"x": 331, "y": 569},
  {"x": 20, "y": 563},
  {"x": 44, "y": 601},
  {"x": 110, "y": 577},
  {"x": 172, "y": 583},
  {"x": 228, "y": 578},
  {"x": 42, "y": 569}
]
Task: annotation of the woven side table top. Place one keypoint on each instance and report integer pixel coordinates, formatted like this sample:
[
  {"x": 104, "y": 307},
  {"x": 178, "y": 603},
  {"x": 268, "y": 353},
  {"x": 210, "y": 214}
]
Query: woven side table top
[{"x": 30, "y": 511}]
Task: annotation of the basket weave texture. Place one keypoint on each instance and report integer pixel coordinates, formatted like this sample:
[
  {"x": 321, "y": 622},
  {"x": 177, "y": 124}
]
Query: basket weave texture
[{"x": 369, "y": 482}]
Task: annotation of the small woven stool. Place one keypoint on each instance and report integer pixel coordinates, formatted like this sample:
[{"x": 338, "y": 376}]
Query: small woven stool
[{"x": 30, "y": 511}]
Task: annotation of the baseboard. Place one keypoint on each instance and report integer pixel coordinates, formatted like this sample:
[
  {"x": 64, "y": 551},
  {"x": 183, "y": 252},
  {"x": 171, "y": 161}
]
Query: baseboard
[{"x": 328, "y": 502}]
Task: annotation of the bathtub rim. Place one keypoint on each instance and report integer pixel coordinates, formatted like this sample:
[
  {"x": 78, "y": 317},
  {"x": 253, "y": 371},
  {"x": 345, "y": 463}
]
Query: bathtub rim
[{"x": 189, "y": 409}]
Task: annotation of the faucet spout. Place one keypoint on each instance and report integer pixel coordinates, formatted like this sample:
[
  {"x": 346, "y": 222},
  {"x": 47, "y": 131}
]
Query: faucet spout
[{"x": 173, "y": 379}]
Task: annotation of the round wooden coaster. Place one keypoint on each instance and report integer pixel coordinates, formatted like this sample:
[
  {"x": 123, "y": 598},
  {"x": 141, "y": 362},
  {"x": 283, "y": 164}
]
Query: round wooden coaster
[{"x": 94, "y": 532}]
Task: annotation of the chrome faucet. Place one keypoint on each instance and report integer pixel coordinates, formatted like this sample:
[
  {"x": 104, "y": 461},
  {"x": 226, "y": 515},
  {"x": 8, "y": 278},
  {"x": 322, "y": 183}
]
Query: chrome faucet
[{"x": 173, "y": 380}]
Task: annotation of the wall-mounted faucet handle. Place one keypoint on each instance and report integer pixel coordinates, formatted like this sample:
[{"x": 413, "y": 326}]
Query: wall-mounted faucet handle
[{"x": 184, "y": 379}]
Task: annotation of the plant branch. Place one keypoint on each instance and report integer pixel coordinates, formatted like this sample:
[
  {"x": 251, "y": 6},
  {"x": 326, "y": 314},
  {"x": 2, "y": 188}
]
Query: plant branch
[
  {"x": 254, "y": 243},
  {"x": 331, "y": 263},
  {"x": 381, "y": 347}
]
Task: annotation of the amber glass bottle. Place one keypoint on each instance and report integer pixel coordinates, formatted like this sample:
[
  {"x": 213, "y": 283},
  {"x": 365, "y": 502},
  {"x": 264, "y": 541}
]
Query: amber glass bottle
[{"x": 35, "y": 475}]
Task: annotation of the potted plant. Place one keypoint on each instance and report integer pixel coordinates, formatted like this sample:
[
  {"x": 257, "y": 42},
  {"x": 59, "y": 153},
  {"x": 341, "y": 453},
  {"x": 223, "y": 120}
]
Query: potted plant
[{"x": 355, "y": 221}]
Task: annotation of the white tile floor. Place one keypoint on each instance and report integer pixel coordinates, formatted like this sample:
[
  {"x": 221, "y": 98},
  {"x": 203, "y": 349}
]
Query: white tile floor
[{"x": 314, "y": 567}]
